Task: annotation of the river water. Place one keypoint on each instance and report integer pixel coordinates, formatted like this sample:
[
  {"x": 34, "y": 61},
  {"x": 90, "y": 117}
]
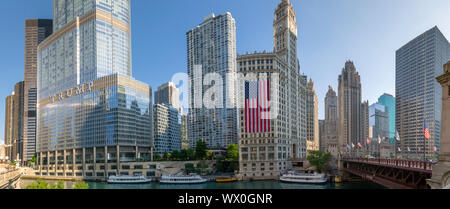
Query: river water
[{"x": 214, "y": 185}]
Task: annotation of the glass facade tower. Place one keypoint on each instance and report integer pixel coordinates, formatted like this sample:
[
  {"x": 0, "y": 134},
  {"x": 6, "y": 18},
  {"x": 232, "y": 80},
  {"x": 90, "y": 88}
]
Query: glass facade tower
[
  {"x": 418, "y": 94},
  {"x": 90, "y": 108},
  {"x": 389, "y": 102}
]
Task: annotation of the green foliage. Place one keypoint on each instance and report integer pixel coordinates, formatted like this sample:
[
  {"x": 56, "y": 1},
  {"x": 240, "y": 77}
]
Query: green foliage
[
  {"x": 189, "y": 168},
  {"x": 319, "y": 159},
  {"x": 200, "y": 150},
  {"x": 81, "y": 185},
  {"x": 40, "y": 184},
  {"x": 230, "y": 162},
  {"x": 201, "y": 167},
  {"x": 12, "y": 163},
  {"x": 167, "y": 156},
  {"x": 34, "y": 159},
  {"x": 233, "y": 152},
  {"x": 210, "y": 155},
  {"x": 157, "y": 157}
]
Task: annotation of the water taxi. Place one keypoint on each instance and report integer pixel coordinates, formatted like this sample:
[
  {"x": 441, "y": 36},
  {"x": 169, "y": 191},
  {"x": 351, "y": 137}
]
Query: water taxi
[
  {"x": 191, "y": 179},
  {"x": 225, "y": 180},
  {"x": 305, "y": 178},
  {"x": 128, "y": 180}
]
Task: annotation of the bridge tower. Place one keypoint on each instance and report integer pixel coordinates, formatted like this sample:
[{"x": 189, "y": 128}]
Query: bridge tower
[{"x": 441, "y": 171}]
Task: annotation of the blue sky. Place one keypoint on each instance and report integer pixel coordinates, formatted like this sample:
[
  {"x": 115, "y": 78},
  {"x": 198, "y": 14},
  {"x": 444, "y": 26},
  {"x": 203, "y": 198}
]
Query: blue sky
[{"x": 331, "y": 32}]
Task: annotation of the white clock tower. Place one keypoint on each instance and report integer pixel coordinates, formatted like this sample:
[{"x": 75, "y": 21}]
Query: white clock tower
[{"x": 285, "y": 33}]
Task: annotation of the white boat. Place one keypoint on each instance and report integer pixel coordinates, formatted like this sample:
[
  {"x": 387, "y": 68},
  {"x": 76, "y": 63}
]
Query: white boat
[
  {"x": 191, "y": 179},
  {"x": 304, "y": 178},
  {"x": 128, "y": 180}
]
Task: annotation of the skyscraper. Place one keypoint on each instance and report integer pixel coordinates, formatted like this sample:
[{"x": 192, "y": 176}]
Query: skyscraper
[
  {"x": 330, "y": 135},
  {"x": 312, "y": 118},
  {"x": 168, "y": 94},
  {"x": 267, "y": 152},
  {"x": 93, "y": 117},
  {"x": 167, "y": 119},
  {"x": 364, "y": 122},
  {"x": 211, "y": 50},
  {"x": 36, "y": 31},
  {"x": 389, "y": 102},
  {"x": 349, "y": 105},
  {"x": 167, "y": 122},
  {"x": 419, "y": 95},
  {"x": 379, "y": 121},
  {"x": 17, "y": 122},
  {"x": 9, "y": 121}
]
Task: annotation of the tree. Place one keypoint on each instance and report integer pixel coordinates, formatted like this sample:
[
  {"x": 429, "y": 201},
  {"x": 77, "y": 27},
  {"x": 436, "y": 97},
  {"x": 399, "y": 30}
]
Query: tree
[
  {"x": 156, "y": 157},
  {"x": 40, "y": 184},
  {"x": 320, "y": 160},
  {"x": 189, "y": 168},
  {"x": 167, "y": 156},
  {"x": 176, "y": 155},
  {"x": 81, "y": 185},
  {"x": 201, "y": 167},
  {"x": 200, "y": 150},
  {"x": 210, "y": 155},
  {"x": 233, "y": 152}
]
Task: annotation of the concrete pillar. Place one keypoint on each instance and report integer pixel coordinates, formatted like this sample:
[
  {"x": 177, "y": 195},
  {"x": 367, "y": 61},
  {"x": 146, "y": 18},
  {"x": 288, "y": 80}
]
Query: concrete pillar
[
  {"x": 56, "y": 163},
  {"x": 73, "y": 161},
  {"x": 41, "y": 163},
  {"x": 106, "y": 161},
  {"x": 151, "y": 153},
  {"x": 118, "y": 158},
  {"x": 65, "y": 163},
  {"x": 95, "y": 161},
  {"x": 137, "y": 153},
  {"x": 48, "y": 163},
  {"x": 84, "y": 162}
]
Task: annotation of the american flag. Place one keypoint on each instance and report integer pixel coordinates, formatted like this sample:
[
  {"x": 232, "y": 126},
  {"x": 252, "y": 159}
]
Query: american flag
[
  {"x": 257, "y": 118},
  {"x": 426, "y": 132},
  {"x": 359, "y": 145}
]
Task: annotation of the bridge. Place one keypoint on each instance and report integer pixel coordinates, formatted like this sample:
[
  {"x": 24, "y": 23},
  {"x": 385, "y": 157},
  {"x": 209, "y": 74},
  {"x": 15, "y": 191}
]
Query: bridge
[{"x": 391, "y": 173}]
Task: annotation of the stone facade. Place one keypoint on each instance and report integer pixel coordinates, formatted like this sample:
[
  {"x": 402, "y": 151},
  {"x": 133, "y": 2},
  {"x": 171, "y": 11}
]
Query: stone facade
[
  {"x": 269, "y": 154},
  {"x": 441, "y": 171},
  {"x": 349, "y": 104}
]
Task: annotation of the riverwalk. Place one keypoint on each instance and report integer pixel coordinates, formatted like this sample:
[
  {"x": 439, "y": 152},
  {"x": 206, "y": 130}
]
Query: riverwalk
[{"x": 9, "y": 178}]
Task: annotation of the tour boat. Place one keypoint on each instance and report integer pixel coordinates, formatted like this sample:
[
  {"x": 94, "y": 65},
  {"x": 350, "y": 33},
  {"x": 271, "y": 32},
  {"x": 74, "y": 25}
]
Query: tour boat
[
  {"x": 190, "y": 179},
  {"x": 128, "y": 180},
  {"x": 305, "y": 178},
  {"x": 223, "y": 180}
]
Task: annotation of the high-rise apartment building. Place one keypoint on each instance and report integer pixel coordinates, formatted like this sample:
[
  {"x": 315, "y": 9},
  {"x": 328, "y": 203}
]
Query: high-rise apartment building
[
  {"x": 349, "y": 104},
  {"x": 167, "y": 119},
  {"x": 364, "y": 122},
  {"x": 93, "y": 117},
  {"x": 167, "y": 124},
  {"x": 389, "y": 102},
  {"x": 9, "y": 121},
  {"x": 17, "y": 122},
  {"x": 168, "y": 94},
  {"x": 211, "y": 50},
  {"x": 312, "y": 118},
  {"x": 418, "y": 94},
  {"x": 270, "y": 145},
  {"x": 36, "y": 31}
]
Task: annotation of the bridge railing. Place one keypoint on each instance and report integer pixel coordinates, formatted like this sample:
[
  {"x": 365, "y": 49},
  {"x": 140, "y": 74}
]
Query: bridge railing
[{"x": 396, "y": 162}]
